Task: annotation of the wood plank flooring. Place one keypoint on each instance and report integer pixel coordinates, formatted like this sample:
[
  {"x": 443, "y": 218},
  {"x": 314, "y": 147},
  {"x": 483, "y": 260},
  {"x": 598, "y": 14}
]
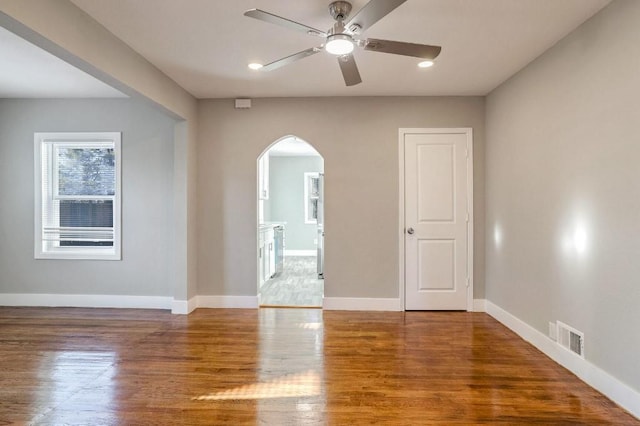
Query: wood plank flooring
[{"x": 281, "y": 367}]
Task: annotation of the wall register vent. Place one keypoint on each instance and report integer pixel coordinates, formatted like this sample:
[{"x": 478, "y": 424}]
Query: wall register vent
[{"x": 571, "y": 339}]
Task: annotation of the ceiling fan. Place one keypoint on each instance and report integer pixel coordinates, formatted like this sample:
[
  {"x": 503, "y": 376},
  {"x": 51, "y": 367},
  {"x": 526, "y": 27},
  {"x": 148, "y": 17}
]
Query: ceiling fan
[{"x": 340, "y": 40}]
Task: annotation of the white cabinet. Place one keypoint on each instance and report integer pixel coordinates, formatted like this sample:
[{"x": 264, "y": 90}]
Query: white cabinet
[
  {"x": 269, "y": 259},
  {"x": 263, "y": 177},
  {"x": 261, "y": 256},
  {"x": 266, "y": 254},
  {"x": 271, "y": 254}
]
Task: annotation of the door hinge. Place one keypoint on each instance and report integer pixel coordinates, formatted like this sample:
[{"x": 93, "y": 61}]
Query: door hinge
[
  {"x": 468, "y": 282},
  {"x": 467, "y": 217}
]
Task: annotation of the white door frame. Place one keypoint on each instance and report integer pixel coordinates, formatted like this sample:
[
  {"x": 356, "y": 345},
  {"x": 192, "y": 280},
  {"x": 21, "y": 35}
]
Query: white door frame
[{"x": 468, "y": 131}]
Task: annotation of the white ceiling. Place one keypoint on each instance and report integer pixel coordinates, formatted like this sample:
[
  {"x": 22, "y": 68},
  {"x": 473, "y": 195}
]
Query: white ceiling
[
  {"x": 292, "y": 147},
  {"x": 205, "y": 45},
  {"x": 27, "y": 71}
]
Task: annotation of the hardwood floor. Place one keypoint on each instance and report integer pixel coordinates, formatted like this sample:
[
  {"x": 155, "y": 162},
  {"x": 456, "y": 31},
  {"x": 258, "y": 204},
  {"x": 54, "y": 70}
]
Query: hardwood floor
[{"x": 281, "y": 367}]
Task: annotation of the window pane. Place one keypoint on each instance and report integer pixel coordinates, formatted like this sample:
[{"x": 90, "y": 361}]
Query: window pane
[
  {"x": 315, "y": 186},
  {"x": 86, "y": 214},
  {"x": 86, "y": 171}
]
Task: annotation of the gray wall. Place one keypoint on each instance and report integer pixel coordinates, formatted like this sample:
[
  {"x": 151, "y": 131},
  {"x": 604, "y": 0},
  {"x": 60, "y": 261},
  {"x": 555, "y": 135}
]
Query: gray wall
[
  {"x": 147, "y": 199},
  {"x": 286, "y": 198},
  {"x": 563, "y": 191},
  {"x": 358, "y": 139},
  {"x": 68, "y": 32}
]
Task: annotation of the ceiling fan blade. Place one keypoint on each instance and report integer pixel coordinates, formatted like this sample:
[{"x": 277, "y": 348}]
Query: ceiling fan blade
[
  {"x": 349, "y": 70},
  {"x": 423, "y": 51},
  {"x": 371, "y": 13},
  {"x": 283, "y": 22},
  {"x": 291, "y": 58}
]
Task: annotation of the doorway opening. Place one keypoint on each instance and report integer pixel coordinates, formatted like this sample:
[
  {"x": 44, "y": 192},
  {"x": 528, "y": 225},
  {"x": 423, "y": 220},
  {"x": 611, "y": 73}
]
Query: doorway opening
[{"x": 290, "y": 252}]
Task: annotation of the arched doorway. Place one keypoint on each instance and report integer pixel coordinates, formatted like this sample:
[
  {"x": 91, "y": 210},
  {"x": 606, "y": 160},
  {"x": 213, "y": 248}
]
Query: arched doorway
[{"x": 290, "y": 252}]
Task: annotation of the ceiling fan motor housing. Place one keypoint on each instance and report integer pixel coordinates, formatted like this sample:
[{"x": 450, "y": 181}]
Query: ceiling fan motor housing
[{"x": 340, "y": 10}]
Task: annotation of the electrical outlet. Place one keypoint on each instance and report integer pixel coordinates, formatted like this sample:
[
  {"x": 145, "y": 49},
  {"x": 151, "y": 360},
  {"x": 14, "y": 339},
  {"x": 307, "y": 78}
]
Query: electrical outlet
[{"x": 553, "y": 331}]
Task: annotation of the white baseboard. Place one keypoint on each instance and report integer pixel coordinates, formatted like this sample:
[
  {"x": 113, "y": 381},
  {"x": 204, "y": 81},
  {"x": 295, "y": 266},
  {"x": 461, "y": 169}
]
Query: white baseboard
[
  {"x": 479, "y": 305},
  {"x": 361, "y": 304},
  {"x": 184, "y": 307},
  {"x": 180, "y": 307},
  {"x": 378, "y": 304},
  {"x": 620, "y": 393},
  {"x": 242, "y": 302},
  {"x": 300, "y": 253},
  {"x": 85, "y": 301}
]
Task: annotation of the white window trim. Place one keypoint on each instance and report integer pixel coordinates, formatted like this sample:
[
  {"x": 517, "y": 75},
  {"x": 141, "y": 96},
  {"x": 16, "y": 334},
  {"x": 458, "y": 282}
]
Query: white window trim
[
  {"x": 307, "y": 197},
  {"x": 77, "y": 253}
]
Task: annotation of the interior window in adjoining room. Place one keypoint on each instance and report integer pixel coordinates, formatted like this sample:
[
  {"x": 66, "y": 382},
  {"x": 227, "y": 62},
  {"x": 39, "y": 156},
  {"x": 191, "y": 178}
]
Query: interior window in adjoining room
[{"x": 311, "y": 196}]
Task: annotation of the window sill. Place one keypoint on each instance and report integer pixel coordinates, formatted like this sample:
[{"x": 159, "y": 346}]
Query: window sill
[{"x": 75, "y": 255}]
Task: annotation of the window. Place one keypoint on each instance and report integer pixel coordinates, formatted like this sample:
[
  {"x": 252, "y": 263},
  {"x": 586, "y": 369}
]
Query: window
[
  {"x": 77, "y": 179},
  {"x": 311, "y": 197}
]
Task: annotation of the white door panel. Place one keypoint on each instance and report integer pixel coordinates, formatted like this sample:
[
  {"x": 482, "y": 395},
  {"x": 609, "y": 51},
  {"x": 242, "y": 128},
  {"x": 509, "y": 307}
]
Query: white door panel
[
  {"x": 435, "y": 263},
  {"x": 436, "y": 216},
  {"x": 436, "y": 181}
]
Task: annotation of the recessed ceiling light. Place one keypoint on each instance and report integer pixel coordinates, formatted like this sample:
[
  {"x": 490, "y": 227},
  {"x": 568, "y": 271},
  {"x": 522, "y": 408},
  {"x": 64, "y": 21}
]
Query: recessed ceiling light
[
  {"x": 255, "y": 66},
  {"x": 425, "y": 64}
]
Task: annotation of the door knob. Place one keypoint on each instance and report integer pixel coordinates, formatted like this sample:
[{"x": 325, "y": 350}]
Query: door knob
[{"x": 410, "y": 231}]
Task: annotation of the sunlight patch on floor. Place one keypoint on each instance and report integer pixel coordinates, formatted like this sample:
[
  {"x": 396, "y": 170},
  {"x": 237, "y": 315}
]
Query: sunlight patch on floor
[
  {"x": 295, "y": 385},
  {"x": 310, "y": 325}
]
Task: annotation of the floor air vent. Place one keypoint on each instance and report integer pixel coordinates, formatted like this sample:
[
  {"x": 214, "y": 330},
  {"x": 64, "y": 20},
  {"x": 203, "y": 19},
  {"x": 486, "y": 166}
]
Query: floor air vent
[{"x": 571, "y": 339}]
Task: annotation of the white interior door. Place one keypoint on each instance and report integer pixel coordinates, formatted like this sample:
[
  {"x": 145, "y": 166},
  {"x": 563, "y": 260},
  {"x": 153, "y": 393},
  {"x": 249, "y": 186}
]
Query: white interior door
[{"x": 437, "y": 219}]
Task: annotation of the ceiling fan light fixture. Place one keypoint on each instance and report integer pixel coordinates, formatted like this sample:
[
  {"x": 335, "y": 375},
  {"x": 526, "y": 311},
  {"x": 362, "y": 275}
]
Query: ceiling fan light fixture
[
  {"x": 341, "y": 39},
  {"x": 254, "y": 66},
  {"x": 339, "y": 44}
]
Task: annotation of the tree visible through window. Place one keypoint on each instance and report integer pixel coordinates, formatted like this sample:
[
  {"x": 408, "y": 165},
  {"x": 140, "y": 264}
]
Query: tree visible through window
[
  {"x": 79, "y": 196},
  {"x": 86, "y": 172}
]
